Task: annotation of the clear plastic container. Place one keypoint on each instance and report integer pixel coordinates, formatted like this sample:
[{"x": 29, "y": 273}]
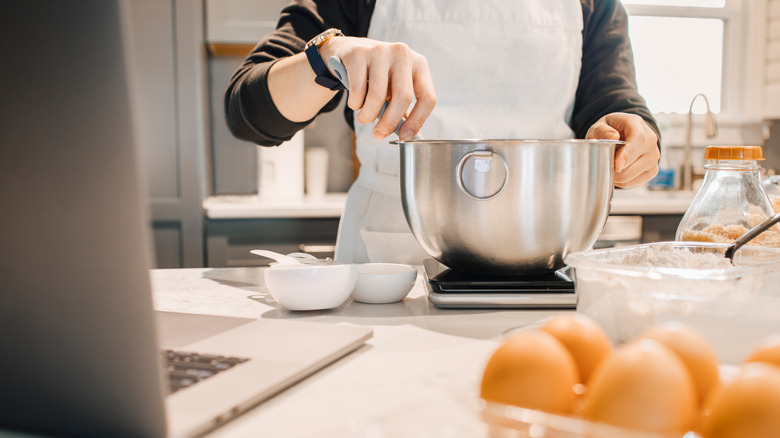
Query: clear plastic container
[
  {"x": 506, "y": 421},
  {"x": 628, "y": 289},
  {"x": 731, "y": 199}
]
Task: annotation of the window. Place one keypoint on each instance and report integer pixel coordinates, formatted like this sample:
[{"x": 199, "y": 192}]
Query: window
[{"x": 686, "y": 47}]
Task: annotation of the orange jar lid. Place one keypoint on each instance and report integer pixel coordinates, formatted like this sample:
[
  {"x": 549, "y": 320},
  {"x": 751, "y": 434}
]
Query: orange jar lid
[{"x": 733, "y": 153}]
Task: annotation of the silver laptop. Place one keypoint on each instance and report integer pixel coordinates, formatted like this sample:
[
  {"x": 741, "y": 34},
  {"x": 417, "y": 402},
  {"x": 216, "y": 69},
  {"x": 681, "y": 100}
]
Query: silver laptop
[{"x": 78, "y": 335}]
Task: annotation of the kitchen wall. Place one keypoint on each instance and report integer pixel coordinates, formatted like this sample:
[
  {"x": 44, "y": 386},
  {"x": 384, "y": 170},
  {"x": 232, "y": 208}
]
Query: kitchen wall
[
  {"x": 235, "y": 169},
  {"x": 772, "y": 148},
  {"x": 233, "y": 27},
  {"x": 769, "y": 78},
  {"x": 735, "y": 131}
]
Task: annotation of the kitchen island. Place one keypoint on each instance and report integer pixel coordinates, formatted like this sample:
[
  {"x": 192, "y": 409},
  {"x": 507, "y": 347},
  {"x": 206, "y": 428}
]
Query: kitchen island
[{"x": 417, "y": 376}]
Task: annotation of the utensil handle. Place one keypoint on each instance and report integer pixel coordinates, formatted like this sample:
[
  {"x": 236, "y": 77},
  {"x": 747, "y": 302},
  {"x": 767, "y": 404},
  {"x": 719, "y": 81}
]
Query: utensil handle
[
  {"x": 340, "y": 71},
  {"x": 279, "y": 258},
  {"x": 751, "y": 234}
]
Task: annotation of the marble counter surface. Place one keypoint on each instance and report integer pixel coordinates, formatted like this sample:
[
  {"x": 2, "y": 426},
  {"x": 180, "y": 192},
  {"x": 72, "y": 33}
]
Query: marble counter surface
[{"x": 418, "y": 376}]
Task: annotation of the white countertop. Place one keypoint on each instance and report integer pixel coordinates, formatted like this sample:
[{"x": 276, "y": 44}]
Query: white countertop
[
  {"x": 253, "y": 207},
  {"x": 639, "y": 201},
  {"x": 642, "y": 201},
  {"x": 418, "y": 376}
]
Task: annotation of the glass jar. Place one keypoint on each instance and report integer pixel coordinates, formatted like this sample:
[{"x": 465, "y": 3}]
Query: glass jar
[{"x": 731, "y": 199}]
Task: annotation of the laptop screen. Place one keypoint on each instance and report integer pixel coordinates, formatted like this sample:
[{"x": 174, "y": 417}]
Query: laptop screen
[{"x": 76, "y": 313}]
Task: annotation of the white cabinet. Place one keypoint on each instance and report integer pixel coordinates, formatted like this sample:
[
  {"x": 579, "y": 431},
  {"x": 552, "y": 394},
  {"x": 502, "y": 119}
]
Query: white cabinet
[{"x": 241, "y": 21}]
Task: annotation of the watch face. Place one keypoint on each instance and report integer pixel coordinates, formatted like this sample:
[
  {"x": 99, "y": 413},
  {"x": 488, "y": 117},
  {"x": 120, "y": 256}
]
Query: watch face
[{"x": 321, "y": 38}]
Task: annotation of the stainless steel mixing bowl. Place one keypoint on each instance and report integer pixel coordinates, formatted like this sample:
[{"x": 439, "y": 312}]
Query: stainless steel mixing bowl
[{"x": 506, "y": 207}]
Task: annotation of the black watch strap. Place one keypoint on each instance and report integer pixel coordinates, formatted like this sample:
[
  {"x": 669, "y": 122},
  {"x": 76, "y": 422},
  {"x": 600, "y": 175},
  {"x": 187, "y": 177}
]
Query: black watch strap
[{"x": 324, "y": 76}]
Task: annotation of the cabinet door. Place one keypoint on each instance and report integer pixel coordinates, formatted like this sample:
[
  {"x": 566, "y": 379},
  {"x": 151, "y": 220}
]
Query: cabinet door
[
  {"x": 169, "y": 68},
  {"x": 153, "y": 42},
  {"x": 230, "y": 240}
]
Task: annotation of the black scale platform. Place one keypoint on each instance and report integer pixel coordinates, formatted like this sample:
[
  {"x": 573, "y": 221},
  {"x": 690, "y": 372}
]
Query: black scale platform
[{"x": 448, "y": 288}]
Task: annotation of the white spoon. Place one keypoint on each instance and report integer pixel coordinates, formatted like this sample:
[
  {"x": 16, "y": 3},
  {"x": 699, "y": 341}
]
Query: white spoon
[{"x": 281, "y": 258}]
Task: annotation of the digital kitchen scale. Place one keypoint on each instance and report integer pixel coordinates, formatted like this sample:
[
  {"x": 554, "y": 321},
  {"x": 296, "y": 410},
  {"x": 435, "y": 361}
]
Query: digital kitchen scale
[{"x": 452, "y": 289}]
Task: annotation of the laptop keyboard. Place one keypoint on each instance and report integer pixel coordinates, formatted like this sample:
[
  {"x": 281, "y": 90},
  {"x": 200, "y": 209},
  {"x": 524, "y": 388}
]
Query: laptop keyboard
[{"x": 186, "y": 368}]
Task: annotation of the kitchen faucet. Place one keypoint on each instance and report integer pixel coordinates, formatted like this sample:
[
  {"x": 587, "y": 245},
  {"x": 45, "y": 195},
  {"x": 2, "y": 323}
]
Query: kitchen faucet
[{"x": 710, "y": 131}]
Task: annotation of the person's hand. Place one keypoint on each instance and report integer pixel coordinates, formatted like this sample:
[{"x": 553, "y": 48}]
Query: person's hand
[
  {"x": 379, "y": 72},
  {"x": 637, "y": 162}
]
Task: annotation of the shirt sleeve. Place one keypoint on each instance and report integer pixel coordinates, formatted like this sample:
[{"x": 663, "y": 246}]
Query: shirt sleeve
[
  {"x": 249, "y": 111},
  {"x": 608, "y": 76}
]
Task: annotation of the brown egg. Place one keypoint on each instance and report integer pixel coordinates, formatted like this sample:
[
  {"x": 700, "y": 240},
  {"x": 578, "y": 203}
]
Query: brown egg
[
  {"x": 706, "y": 405},
  {"x": 532, "y": 370},
  {"x": 748, "y": 406},
  {"x": 767, "y": 351},
  {"x": 644, "y": 386},
  {"x": 693, "y": 349},
  {"x": 583, "y": 337}
]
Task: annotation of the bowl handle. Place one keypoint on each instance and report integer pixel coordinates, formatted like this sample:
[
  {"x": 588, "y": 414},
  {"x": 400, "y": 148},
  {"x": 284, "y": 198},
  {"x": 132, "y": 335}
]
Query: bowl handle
[{"x": 482, "y": 174}]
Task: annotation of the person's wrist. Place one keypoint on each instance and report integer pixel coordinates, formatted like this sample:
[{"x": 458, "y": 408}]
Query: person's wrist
[
  {"x": 317, "y": 59},
  {"x": 326, "y": 52}
]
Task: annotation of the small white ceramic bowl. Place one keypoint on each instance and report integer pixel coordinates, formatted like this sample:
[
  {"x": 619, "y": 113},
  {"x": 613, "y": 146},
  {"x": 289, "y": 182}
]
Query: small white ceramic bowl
[
  {"x": 381, "y": 283},
  {"x": 310, "y": 287}
]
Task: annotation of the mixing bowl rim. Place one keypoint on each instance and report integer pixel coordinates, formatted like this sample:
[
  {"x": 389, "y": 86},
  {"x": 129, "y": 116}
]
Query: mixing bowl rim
[{"x": 510, "y": 141}]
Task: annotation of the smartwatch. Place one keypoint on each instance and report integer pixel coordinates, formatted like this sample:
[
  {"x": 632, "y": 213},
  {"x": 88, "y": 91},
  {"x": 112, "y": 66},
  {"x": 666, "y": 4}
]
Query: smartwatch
[{"x": 324, "y": 76}]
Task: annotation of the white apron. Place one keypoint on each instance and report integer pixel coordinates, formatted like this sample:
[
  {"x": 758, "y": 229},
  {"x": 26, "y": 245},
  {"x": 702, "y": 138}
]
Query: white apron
[{"x": 501, "y": 69}]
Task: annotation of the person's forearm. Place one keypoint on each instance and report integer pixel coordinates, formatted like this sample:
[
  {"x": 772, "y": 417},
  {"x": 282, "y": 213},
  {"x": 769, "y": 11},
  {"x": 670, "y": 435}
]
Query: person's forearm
[
  {"x": 293, "y": 90},
  {"x": 607, "y": 80}
]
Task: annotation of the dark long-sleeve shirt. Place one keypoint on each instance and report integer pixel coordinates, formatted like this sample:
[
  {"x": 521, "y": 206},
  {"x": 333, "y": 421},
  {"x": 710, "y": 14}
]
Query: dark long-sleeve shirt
[{"x": 607, "y": 79}]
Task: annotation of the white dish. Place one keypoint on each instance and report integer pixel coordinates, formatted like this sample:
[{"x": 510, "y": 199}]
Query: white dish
[
  {"x": 381, "y": 283},
  {"x": 310, "y": 287}
]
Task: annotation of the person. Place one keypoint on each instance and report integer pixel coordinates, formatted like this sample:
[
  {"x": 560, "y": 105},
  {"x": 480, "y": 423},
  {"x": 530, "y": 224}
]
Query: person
[{"x": 550, "y": 69}]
